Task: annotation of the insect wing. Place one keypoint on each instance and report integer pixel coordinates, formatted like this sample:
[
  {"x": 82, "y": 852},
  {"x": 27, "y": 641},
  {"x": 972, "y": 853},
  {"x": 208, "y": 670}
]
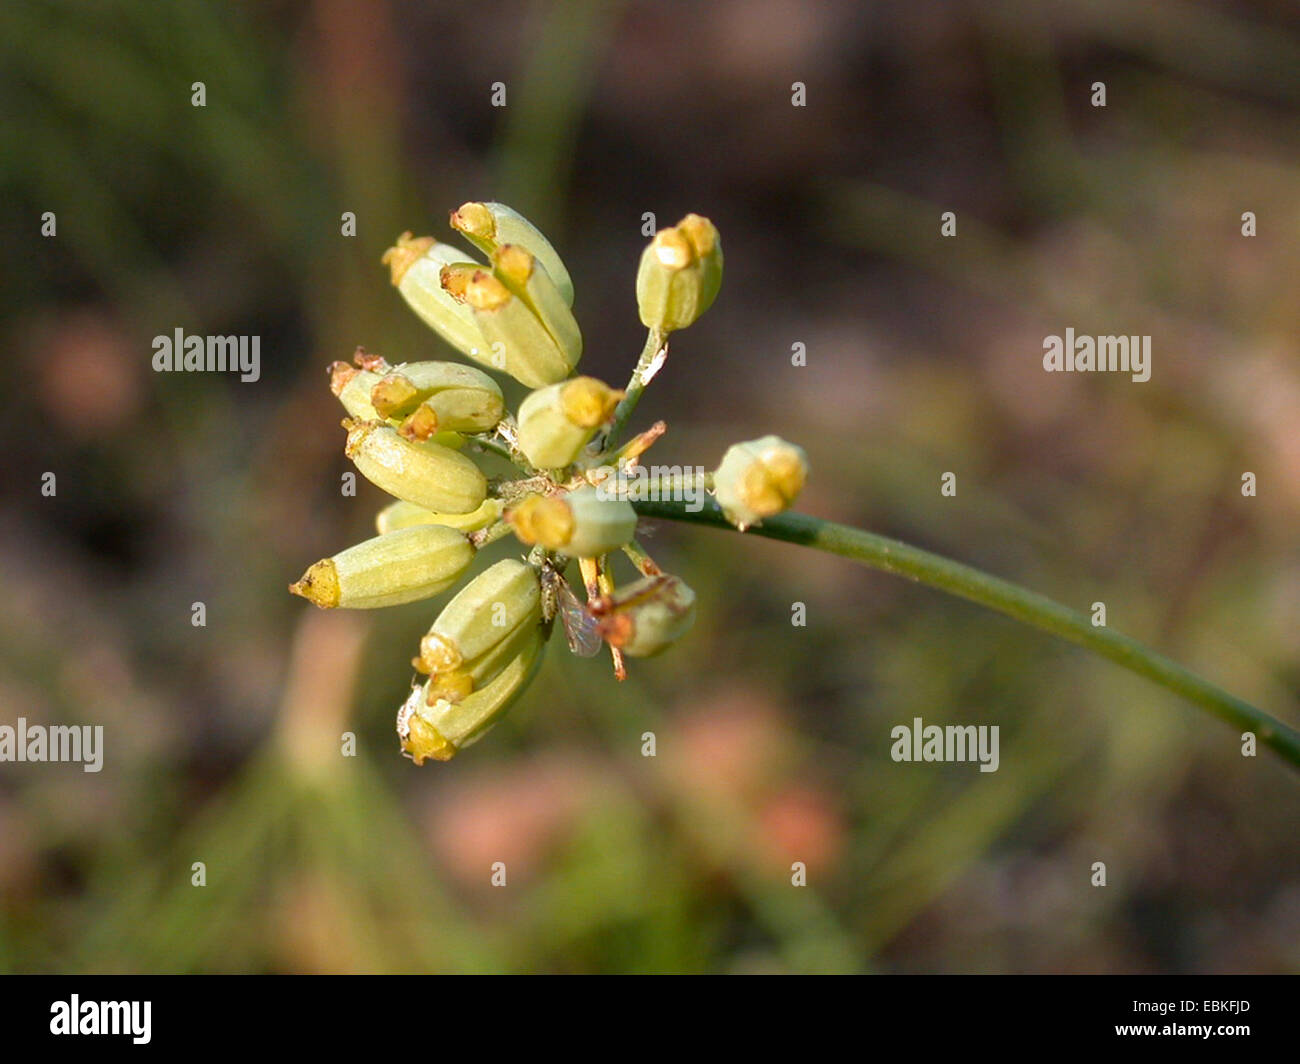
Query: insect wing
[{"x": 580, "y": 630}]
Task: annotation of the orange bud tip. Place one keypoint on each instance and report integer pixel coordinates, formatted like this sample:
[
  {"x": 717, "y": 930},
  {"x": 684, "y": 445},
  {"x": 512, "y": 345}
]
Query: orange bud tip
[
  {"x": 454, "y": 279},
  {"x": 673, "y": 250},
  {"x": 319, "y": 585},
  {"x": 422, "y": 424},
  {"x": 404, "y": 254},
  {"x": 374, "y": 363},
  {"x": 340, "y": 374},
  {"x": 473, "y": 219},
  {"x": 514, "y": 262},
  {"x": 700, "y": 232},
  {"x": 485, "y": 292},
  {"x": 393, "y": 395},
  {"x": 616, "y": 629}
]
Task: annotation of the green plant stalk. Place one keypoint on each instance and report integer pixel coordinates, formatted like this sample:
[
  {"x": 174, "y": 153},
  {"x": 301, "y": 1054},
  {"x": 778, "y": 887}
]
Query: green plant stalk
[
  {"x": 492, "y": 446},
  {"x": 493, "y": 532},
  {"x": 635, "y": 386},
  {"x": 894, "y": 556}
]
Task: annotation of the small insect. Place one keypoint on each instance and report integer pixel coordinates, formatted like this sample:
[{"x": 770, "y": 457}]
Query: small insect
[
  {"x": 579, "y": 625},
  {"x": 408, "y": 709}
]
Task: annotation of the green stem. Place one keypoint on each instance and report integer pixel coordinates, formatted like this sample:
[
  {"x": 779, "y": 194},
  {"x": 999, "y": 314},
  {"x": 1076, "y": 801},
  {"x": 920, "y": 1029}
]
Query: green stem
[
  {"x": 893, "y": 556},
  {"x": 635, "y": 386},
  {"x": 493, "y": 532},
  {"x": 681, "y": 486},
  {"x": 644, "y": 563},
  {"x": 493, "y": 447}
]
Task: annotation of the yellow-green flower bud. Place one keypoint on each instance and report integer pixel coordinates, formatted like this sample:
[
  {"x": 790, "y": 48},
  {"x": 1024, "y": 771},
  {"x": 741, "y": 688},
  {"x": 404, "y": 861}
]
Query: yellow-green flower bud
[
  {"x": 480, "y": 630},
  {"x": 402, "y": 566},
  {"x": 580, "y": 523},
  {"x": 518, "y": 343},
  {"x": 646, "y": 617},
  {"x": 427, "y": 474},
  {"x": 680, "y": 274},
  {"x": 520, "y": 271},
  {"x": 441, "y": 729},
  {"x": 557, "y": 422},
  {"x": 416, "y": 266},
  {"x": 438, "y": 397},
  {"x": 406, "y": 515},
  {"x": 458, "y": 409},
  {"x": 406, "y": 386},
  {"x": 355, "y": 387},
  {"x": 488, "y": 226},
  {"x": 759, "y": 478}
]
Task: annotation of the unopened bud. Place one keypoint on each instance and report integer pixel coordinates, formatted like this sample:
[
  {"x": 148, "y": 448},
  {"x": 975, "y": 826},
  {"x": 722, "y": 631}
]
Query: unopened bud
[
  {"x": 352, "y": 386},
  {"x": 557, "y": 422},
  {"x": 416, "y": 267},
  {"x": 520, "y": 271},
  {"x": 759, "y": 478},
  {"x": 580, "y": 523},
  {"x": 438, "y": 397},
  {"x": 489, "y": 226},
  {"x": 355, "y": 387},
  {"x": 518, "y": 343},
  {"x": 480, "y": 630},
  {"x": 405, "y": 515},
  {"x": 680, "y": 274},
  {"x": 441, "y": 729},
  {"x": 402, "y": 566},
  {"x": 646, "y": 617},
  {"x": 426, "y": 474},
  {"x": 458, "y": 409}
]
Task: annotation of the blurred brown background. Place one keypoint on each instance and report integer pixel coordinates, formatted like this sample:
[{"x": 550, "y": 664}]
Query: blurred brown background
[{"x": 773, "y": 742}]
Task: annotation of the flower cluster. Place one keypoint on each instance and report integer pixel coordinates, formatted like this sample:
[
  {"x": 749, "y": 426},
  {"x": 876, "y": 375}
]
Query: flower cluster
[{"x": 412, "y": 428}]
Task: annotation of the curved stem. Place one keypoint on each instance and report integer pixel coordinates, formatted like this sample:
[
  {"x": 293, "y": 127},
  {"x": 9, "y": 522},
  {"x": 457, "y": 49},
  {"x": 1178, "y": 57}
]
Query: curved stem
[
  {"x": 641, "y": 376},
  {"x": 893, "y": 556}
]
